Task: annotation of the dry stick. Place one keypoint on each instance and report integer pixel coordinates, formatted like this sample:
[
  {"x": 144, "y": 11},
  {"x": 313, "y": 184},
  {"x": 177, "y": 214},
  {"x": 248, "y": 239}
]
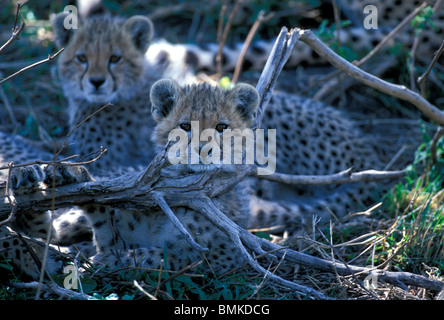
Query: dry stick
[
  {"x": 278, "y": 57},
  {"x": 238, "y": 235},
  {"x": 139, "y": 287},
  {"x": 378, "y": 47},
  {"x": 11, "y": 199},
  {"x": 60, "y": 162},
  {"x": 49, "y": 235},
  {"x": 439, "y": 133},
  {"x": 422, "y": 79},
  {"x": 15, "y": 31},
  {"x": 345, "y": 176},
  {"x": 62, "y": 292},
  {"x": 128, "y": 188},
  {"x": 337, "y": 16},
  {"x": 8, "y": 108},
  {"x": 397, "y": 91},
  {"x": 181, "y": 272},
  {"x": 220, "y": 24},
  {"x": 160, "y": 201},
  {"x": 260, "y": 19},
  {"x": 224, "y": 35},
  {"x": 49, "y": 59},
  {"x": 391, "y": 35},
  {"x": 412, "y": 60}
]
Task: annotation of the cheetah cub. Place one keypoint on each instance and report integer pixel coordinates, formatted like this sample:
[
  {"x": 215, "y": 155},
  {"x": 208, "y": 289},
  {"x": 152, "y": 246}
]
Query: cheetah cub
[{"x": 142, "y": 238}]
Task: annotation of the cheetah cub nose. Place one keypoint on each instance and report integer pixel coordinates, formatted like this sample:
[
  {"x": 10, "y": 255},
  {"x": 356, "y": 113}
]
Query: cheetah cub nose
[{"x": 97, "y": 82}]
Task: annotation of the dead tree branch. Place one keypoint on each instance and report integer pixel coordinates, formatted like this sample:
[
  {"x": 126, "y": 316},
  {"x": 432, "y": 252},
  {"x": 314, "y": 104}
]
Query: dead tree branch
[
  {"x": 278, "y": 57},
  {"x": 422, "y": 79},
  {"x": 49, "y": 59},
  {"x": 372, "y": 81},
  {"x": 16, "y": 31},
  {"x": 259, "y": 20}
]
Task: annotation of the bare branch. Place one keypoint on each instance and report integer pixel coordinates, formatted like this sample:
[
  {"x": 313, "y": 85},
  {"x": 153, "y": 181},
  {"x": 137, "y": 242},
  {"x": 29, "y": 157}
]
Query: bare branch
[
  {"x": 278, "y": 57},
  {"x": 15, "y": 31},
  {"x": 260, "y": 19},
  {"x": 53, "y": 288},
  {"x": 397, "y": 91},
  {"x": 421, "y": 80},
  {"x": 49, "y": 59},
  {"x": 223, "y": 35},
  {"x": 391, "y": 35},
  {"x": 160, "y": 201},
  {"x": 438, "y": 134},
  {"x": 338, "y": 178}
]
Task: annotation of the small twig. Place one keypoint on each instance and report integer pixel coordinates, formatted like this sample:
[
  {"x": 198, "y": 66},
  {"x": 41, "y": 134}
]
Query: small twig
[
  {"x": 224, "y": 35},
  {"x": 62, "y": 292},
  {"x": 335, "y": 253},
  {"x": 78, "y": 125},
  {"x": 438, "y": 134},
  {"x": 422, "y": 79},
  {"x": 10, "y": 197},
  {"x": 337, "y": 16},
  {"x": 49, "y": 59},
  {"x": 378, "y": 47},
  {"x": 8, "y": 107},
  {"x": 15, "y": 31},
  {"x": 182, "y": 271},
  {"x": 160, "y": 201},
  {"x": 391, "y": 35},
  {"x": 412, "y": 60},
  {"x": 259, "y": 20},
  {"x": 220, "y": 24},
  {"x": 139, "y": 287},
  {"x": 60, "y": 162}
]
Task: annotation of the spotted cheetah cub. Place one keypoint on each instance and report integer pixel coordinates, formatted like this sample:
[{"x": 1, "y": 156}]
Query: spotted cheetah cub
[{"x": 143, "y": 237}]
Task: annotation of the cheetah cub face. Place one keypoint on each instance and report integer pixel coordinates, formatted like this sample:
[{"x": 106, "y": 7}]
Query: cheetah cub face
[
  {"x": 104, "y": 59},
  {"x": 200, "y": 120}
]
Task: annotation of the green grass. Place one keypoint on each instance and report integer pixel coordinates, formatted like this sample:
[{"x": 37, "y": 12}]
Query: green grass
[{"x": 417, "y": 210}]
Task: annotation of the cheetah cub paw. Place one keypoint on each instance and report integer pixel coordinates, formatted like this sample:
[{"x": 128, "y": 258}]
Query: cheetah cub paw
[
  {"x": 66, "y": 175},
  {"x": 24, "y": 179}
]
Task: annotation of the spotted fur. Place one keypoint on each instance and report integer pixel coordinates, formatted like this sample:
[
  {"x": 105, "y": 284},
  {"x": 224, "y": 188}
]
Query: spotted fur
[{"x": 355, "y": 36}]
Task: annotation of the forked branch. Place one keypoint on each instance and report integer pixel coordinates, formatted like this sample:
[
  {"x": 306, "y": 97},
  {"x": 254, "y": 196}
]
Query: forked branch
[{"x": 372, "y": 81}]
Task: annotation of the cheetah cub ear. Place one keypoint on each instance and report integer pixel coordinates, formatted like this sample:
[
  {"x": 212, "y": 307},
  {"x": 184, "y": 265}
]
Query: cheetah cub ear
[
  {"x": 164, "y": 95},
  {"x": 245, "y": 99},
  {"x": 141, "y": 31},
  {"x": 61, "y": 34}
]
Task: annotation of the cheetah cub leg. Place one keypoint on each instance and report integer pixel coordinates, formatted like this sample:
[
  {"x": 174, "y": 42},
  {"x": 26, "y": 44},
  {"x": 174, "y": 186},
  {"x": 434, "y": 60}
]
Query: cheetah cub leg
[
  {"x": 69, "y": 225},
  {"x": 16, "y": 251}
]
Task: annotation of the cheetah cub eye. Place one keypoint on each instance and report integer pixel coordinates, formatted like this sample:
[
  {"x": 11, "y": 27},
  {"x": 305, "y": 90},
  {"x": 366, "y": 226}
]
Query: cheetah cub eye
[
  {"x": 81, "y": 58},
  {"x": 185, "y": 126},
  {"x": 115, "y": 58},
  {"x": 221, "y": 127}
]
